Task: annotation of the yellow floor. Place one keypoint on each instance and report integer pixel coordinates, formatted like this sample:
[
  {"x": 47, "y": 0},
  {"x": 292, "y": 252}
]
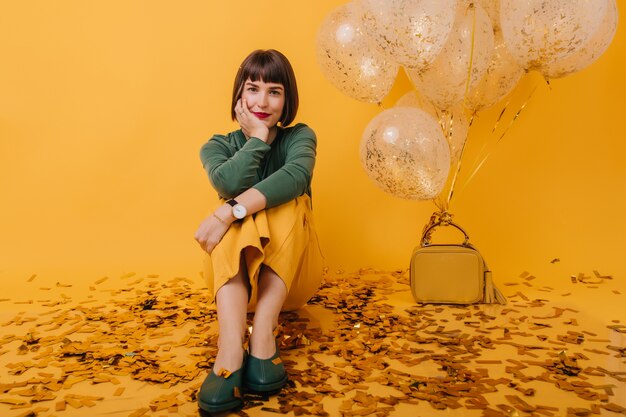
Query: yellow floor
[{"x": 141, "y": 345}]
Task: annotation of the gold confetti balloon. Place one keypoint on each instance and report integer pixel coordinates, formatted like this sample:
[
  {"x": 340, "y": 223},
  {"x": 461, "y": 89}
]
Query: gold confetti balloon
[
  {"x": 347, "y": 60},
  {"x": 411, "y": 99},
  {"x": 492, "y": 8},
  {"x": 501, "y": 77},
  {"x": 590, "y": 51},
  {"x": 412, "y": 32},
  {"x": 464, "y": 59},
  {"x": 404, "y": 152},
  {"x": 540, "y": 33},
  {"x": 453, "y": 122}
]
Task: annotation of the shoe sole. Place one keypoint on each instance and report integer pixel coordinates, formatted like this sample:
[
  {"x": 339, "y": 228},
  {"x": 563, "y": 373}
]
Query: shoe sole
[
  {"x": 267, "y": 388},
  {"x": 211, "y": 408}
]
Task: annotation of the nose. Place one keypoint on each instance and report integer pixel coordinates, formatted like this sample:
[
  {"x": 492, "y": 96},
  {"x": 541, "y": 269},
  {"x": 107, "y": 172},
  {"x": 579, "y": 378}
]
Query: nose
[{"x": 262, "y": 103}]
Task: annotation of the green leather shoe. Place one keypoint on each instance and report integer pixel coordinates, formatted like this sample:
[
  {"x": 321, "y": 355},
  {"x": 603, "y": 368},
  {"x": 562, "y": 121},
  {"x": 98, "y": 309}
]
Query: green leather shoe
[
  {"x": 222, "y": 393},
  {"x": 265, "y": 375}
]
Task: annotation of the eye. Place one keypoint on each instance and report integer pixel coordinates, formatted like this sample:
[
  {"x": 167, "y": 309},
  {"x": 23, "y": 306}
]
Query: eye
[
  {"x": 275, "y": 92},
  {"x": 251, "y": 88}
]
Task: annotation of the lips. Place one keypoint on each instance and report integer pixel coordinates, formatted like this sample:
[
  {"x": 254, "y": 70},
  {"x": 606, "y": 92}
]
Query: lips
[{"x": 261, "y": 115}]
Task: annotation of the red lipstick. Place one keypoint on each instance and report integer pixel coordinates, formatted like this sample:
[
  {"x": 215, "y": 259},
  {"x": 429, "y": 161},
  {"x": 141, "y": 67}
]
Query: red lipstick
[{"x": 261, "y": 115}]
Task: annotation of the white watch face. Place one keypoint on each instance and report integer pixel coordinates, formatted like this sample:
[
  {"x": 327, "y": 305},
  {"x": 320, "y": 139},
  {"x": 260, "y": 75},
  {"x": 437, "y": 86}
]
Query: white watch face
[{"x": 239, "y": 211}]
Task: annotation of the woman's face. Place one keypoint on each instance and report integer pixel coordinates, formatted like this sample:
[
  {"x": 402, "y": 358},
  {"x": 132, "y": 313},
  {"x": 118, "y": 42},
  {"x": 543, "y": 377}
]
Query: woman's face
[{"x": 265, "y": 100}]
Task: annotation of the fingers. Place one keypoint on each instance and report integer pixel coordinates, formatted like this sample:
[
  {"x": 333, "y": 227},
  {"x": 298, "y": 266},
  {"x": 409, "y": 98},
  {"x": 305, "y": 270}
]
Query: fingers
[
  {"x": 241, "y": 108},
  {"x": 206, "y": 244},
  {"x": 202, "y": 236},
  {"x": 209, "y": 234},
  {"x": 242, "y": 114},
  {"x": 201, "y": 240},
  {"x": 209, "y": 248}
]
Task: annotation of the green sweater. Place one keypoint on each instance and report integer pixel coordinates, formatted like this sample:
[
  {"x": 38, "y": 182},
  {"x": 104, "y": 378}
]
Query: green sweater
[{"x": 281, "y": 171}]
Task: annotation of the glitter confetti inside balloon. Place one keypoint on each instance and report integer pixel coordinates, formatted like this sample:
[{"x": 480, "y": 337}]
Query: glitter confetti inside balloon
[
  {"x": 540, "y": 32},
  {"x": 589, "y": 52},
  {"x": 492, "y": 8},
  {"x": 405, "y": 153},
  {"x": 412, "y": 32},
  {"x": 453, "y": 122},
  {"x": 348, "y": 61},
  {"x": 501, "y": 77},
  {"x": 464, "y": 59}
]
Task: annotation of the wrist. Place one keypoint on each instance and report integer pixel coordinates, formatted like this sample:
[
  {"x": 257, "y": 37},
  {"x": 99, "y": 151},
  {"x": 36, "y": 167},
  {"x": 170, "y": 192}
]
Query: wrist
[
  {"x": 238, "y": 211},
  {"x": 262, "y": 134},
  {"x": 224, "y": 214}
]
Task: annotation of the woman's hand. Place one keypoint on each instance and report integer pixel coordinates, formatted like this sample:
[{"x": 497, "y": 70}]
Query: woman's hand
[
  {"x": 211, "y": 231},
  {"x": 250, "y": 124}
]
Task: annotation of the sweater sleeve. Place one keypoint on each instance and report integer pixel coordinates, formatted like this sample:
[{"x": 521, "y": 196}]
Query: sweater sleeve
[
  {"x": 294, "y": 177},
  {"x": 232, "y": 171}
]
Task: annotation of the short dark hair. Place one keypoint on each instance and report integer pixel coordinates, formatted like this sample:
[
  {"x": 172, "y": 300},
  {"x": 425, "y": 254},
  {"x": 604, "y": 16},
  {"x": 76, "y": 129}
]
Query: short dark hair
[{"x": 269, "y": 66}]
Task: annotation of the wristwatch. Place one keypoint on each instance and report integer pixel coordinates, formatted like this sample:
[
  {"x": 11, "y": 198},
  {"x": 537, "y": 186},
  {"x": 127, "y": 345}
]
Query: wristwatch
[{"x": 239, "y": 211}]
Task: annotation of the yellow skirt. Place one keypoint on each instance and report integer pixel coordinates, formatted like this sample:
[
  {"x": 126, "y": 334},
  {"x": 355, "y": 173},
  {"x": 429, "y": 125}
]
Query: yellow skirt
[{"x": 281, "y": 237}]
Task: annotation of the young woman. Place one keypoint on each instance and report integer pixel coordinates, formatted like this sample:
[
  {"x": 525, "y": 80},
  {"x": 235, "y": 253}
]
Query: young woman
[{"x": 262, "y": 245}]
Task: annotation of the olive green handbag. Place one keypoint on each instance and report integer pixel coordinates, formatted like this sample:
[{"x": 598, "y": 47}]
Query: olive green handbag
[{"x": 450, "y": 274}]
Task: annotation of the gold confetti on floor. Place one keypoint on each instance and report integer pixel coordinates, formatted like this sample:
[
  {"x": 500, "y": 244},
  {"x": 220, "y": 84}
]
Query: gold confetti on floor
[{"x": 361, "y": 347}]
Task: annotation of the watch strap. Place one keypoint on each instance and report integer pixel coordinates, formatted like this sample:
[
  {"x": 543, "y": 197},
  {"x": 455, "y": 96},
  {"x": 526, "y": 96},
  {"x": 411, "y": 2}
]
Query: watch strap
[{"x": 232, "y": 202}]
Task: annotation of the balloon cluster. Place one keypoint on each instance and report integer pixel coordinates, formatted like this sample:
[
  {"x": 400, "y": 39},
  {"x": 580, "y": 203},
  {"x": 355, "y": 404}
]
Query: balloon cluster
[{"x": 462, "y": 57}]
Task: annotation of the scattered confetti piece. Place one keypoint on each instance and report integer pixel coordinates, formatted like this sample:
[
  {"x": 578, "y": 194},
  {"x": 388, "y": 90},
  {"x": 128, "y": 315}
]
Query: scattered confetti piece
[
  {"x": 163, "y": 332},
  {"x": 139, "y": 413}
]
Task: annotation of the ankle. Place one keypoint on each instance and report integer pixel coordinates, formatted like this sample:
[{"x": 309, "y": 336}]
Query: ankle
[
  {"x": 230, "y": 341},
  {"x": 262, "y": 344},
  {"x": 230, "y": 359},
  {"x": 264, "y": 326}
]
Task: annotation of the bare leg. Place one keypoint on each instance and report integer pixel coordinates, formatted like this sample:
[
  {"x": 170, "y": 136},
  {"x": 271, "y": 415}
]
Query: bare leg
[
  {"x": 232, "y": 304},
  {"x": 271, "y": 296}
]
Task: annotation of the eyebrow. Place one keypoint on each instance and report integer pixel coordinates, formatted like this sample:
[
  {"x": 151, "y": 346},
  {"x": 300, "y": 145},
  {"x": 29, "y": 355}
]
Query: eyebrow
[{"x": 271, "y": 87}]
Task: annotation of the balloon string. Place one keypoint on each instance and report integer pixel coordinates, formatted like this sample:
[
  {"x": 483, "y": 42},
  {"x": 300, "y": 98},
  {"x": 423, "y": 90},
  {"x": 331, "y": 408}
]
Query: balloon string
[
  {"x": 500, "y": 138},
  {"x": 456, "y": 174},
  {"x": 471, "y": 60},
  {"x": 495, "y": 126},
  {"x": 448, "y": 199},
  {"x": 446, "y": 124},
  {"x": 447, "y": 127}
]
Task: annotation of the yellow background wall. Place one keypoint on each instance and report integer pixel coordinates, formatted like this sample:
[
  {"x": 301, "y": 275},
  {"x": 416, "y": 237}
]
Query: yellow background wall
[{"x": 104, "y": 106}]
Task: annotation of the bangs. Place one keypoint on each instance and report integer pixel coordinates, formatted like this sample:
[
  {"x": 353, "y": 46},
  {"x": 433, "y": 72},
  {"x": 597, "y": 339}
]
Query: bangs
[{"x": 263, "y": 67}]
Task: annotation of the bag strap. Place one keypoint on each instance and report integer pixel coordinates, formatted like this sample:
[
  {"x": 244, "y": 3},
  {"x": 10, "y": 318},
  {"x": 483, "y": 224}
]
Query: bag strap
[{"x": 441, "y": 218}]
